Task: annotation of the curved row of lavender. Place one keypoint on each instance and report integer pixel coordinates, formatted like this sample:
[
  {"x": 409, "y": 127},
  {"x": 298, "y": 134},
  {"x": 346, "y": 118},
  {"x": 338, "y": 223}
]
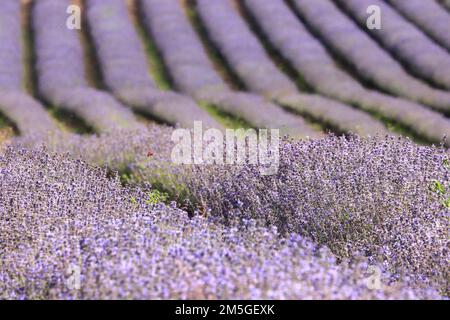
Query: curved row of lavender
[
  {"x": 423, "y": 56},
  {"x": 27, "y": 114},
  {"x": 61, "y": 218},
  {"x": 429, "y": 16},
  {"x": 61, "y": 71},
  {"x": 310, "y": 59},
  {"x": 194, "y": 74},
  {"x": 172, "y": 31},
  {"x": 125, "y": 68},
  {"x": 11, "y": 68},
  {"x": 365, "y": 55}
]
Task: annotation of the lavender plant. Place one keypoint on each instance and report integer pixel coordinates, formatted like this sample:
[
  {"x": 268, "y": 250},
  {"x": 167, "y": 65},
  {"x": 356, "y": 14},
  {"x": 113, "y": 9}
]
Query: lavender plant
[
  {"x": 364, "y": 54},
  {"x": 423, "y": 56},
  {"x": 357, "y": 195},
  {"x": 69, "y": 232}
]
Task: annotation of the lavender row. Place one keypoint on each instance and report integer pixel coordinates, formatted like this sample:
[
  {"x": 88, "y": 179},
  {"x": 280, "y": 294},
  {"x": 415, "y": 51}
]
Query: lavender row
[
  {"x": 429, "y": 16},
  {"x": 341, "y": 117},
  {"x": 10, "y": 52},
  {"x": 125, "y": 69},
  {"x": 243, "y": 52},
  {"x": 310, "y": 59},
  {"x": 61, "y": 71},
  {"x": 78, "y": 220},
  {"x": 28, "y": 115},
  {"x": 356, "y": 47},
  {"x": 194, "y": 73},
  {"x": 182, "y": 51},
  {"x": 423, "y": 56}
]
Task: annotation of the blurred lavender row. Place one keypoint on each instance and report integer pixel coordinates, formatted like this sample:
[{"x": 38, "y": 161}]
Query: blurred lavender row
[
  {"x": 61, "y": 71},
  {"x": 27, "y": 114},
  {"x": 312, "y": 61},
  {"x": 367, "y": 58},
  {"x": 11, "y": 69},
  {"x": 125, "y": 69},
  {"x": 429, "y": 16},
  {"x": 341, "y": 117},
  {"x": 250, "y": 62},
  {"x": 194, "y": 73},
  {"x": 61, "y": 218},
  {"x": 403, "y": 39}
]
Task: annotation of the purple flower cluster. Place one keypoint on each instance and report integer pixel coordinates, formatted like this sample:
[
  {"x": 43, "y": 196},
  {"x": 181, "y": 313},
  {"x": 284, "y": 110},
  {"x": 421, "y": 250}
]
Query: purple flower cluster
[
  {"x": 406, "y": 41},
  {"x": 429, "y": 16},
  {"x": 61, "y": 73},
  {"x": 125, "y": 70},
  {"x": 369, "y": 60},
  {"x": 369, "y": 196},
  {"x": 309, "y": 57},
  {"x": 69, "y": 232}
]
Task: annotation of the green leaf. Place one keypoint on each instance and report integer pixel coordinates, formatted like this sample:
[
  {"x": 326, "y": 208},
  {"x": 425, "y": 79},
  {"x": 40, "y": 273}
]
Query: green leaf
[{"x": 437, "y": 187}]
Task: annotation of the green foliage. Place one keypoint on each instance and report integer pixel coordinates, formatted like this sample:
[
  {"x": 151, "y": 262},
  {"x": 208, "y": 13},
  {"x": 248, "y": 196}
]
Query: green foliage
[
  {"x": 438, "y": 188},
  {"x": 156, "y": 196}
]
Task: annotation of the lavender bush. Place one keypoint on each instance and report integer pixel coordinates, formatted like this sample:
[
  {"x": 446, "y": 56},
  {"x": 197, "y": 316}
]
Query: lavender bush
[
  {"x": 366, "y": 57},
  {"x": 317, "y": 67},
  {"x": 60, "y": 215},
  {"x": 359, "y": 195},
  {"x": 429, "y": 16},
  {"x": 125, "y": 70},
  {"x": 406, "y": 41}
]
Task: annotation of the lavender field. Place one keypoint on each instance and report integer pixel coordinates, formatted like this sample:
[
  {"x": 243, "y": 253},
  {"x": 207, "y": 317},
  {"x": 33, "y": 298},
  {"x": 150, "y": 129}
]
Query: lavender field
[{"x": 348, "y": 199}]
